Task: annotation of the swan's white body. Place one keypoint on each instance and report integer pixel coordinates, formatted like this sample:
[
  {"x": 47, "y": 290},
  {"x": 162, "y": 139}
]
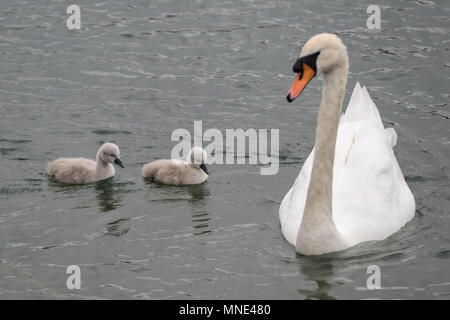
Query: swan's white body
[
  {"x": 178, "y": 172},
  {"x": 82, "y": 170},
  {"x": 371, "y": 199},
  {"x": 358, "y": 193}
]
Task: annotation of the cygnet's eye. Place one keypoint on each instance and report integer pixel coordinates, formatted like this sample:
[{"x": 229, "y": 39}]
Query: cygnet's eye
[{"x": 112, "y": 155}]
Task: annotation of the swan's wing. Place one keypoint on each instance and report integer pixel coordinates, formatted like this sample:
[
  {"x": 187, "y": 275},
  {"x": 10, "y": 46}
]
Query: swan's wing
[
  {"x": 293, "y": 204},
  {"x": 362, "y": 108},
  {"x": 371, "y": 199},
  {"x": 391, "y": 135},
  {"x": 72, "y": 170},
  {"x": 165, "y": 171}
]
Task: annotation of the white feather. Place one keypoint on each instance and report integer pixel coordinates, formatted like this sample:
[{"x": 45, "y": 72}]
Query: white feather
[{"x": 371, "y": 199}]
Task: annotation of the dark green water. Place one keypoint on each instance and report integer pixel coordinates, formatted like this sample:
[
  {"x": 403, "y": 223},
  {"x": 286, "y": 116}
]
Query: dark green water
[{"x": 138, "y": 70}]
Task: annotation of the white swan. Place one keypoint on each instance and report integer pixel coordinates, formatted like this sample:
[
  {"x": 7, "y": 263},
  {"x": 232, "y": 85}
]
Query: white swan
[
  {"x": 82, "y": 170},
  {"x": 351, "y": 188},
  {"x": 178, "y": 172}
]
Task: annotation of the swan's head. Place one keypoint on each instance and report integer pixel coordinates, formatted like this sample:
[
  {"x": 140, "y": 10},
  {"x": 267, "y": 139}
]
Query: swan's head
[
  {"x": 324, "y": 53},
  {"x": 110, "y": 153},
  {"x": 197, "y": 158}
]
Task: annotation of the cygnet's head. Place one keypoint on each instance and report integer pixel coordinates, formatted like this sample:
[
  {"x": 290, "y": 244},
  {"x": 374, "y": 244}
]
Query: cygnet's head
[
  {"x": 197, "y": 158},
  {"x": 110, "y": 153},
  {"x": 324, "y": 53}
]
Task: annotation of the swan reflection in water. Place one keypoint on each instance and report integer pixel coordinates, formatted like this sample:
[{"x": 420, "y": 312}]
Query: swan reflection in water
[
  {"x": 200, "y": 216},
  {"x": 198, "y": 194},
  {"x": 319, "y": 270},
  {"x": 109, "y": 200}
]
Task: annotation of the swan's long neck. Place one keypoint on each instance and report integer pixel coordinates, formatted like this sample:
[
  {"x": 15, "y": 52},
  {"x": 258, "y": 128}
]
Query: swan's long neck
[
  {"x": 318, "y": 233},
  {"x": 101, "y": 165}
]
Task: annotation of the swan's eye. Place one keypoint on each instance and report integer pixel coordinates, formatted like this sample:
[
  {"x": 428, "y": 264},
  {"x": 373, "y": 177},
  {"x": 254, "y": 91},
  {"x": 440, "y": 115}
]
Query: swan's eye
[{"x": 112, "y": 155}]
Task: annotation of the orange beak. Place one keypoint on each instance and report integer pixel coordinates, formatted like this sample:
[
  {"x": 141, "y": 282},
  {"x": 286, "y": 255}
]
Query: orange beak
[{"x": 301, "y": 80}]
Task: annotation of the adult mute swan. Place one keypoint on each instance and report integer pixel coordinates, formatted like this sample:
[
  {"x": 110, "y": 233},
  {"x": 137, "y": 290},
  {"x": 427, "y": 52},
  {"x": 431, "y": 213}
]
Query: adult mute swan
[
  {"x": 82, "y": 170},
  {"x": 178, "y": 172},
  {"x": 351, "y": 188}
]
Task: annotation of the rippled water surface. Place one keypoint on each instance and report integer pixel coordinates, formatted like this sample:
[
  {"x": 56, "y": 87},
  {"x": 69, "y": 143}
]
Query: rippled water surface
[{"x": 138, "y": 70}]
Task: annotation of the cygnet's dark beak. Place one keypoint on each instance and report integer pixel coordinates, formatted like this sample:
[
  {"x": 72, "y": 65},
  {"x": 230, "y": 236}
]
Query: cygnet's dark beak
[
  {"x": 204, "y": 168},
  {"x": 119, "y": 162}
]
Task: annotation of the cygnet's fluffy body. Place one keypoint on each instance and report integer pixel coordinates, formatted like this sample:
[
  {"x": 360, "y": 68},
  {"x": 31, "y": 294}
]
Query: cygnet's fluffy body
[
  {"x": 178, "y": 172},
  {"x": 82, "y": 170}
]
